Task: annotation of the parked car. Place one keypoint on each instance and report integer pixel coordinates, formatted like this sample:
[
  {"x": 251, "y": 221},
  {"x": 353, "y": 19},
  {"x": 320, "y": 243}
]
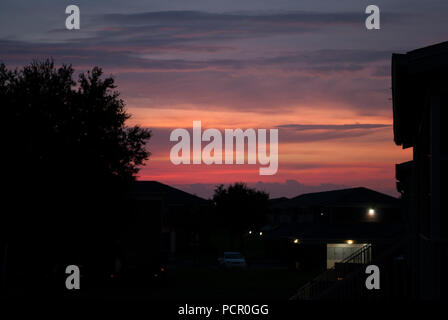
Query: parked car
[{"x": 232, "y": 260}]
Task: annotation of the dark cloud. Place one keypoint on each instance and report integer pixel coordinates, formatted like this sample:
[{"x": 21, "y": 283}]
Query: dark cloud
[
  {"x": 160, "y": 143},
  {"x": 321, "y": 132},
  {"x": 264, "y": 83},
  {"x": 195, "y": 25},
  {"x": 169, "y": 29},
  {"x": 124, "y": 55},
  {"x": 336, "y": 127},
  {"x": 269, "y": 92},
  {"x": 198, "y": 17},
  {"x": 177, "y": 56}
]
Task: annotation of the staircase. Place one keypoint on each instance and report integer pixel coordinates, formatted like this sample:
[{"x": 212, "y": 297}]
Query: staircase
[{"x": 355, "y": 262}]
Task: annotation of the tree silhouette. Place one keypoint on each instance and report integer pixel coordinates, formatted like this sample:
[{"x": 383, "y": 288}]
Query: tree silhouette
[
  {"x": 69, "y": 157},
  {"x": 240, "y": 207}
]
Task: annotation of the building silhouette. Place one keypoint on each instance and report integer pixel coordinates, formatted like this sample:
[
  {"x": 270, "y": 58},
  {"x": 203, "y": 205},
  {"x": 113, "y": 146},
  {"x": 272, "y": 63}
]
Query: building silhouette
[
  {"x": 414, "y": 266},
  {"x": 323, "y": 228},
  {"x": 420, "y": 102}
]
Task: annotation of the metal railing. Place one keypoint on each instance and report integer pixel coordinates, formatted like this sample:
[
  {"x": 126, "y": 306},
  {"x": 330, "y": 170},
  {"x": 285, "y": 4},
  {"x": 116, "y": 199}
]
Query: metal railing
[
  {"x": 326, "y": 279},
  {"x": 362, "y": 256},
  {"x": 394, "y": 283}
]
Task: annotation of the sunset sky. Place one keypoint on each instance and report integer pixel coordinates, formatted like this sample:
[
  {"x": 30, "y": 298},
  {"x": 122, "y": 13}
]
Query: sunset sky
[{"x": 308, "y": 68}]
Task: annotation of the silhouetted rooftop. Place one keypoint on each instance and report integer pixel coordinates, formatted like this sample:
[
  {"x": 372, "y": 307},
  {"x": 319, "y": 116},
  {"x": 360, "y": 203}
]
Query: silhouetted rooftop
[
  {"x": 352, "y": 197},
  {"x": 172, "y": 196}
]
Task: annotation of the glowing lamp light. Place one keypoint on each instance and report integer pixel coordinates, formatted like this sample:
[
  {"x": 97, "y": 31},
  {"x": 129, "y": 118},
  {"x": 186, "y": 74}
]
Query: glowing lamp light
[
  {"x": 261, "y": 233},
  {"x": 349, "y": 241},
  {"x": 371, "y": 212},
  {"x": 296, "y": 241},
  {"x": 250, "y": 231}
]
